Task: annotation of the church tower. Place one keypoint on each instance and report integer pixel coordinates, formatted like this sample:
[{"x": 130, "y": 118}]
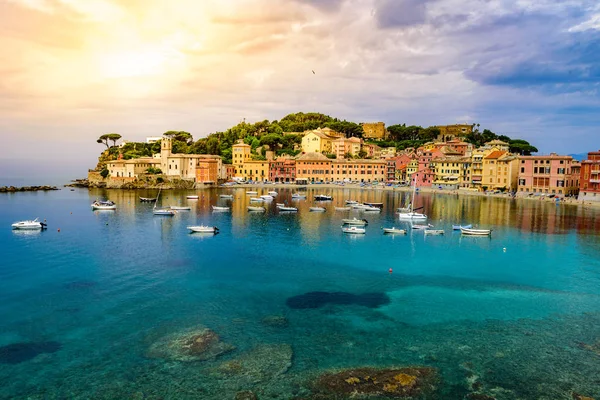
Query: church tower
[{"x": 166, "y": 146}]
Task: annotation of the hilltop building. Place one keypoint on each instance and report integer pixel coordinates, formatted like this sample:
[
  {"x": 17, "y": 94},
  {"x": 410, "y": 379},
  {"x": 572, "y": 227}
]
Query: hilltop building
[
  {"x": 451, "y": 132},
  {"x": 374, "y": 130}
]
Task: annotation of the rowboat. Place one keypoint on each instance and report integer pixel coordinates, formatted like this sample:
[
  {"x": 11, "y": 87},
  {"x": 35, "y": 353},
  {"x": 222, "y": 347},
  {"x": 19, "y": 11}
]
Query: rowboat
[
  {"x": 180, "y": 208},
  {"x": 354, "y": 229},
  {"x": 434, "y": 231},
  {"x": 256, "y": 209},
  {"x": 323, "y": 197},
  {"x": 343, "y": 208},
  {"x": 226, "y": 196},
  {"x": 317, "y": 209},
  {"x": 355, "y": 221},
  {"x": 103, "y": 205},
  {"x": 256, "y": 200},
  {"x": 286, "y": 208},
  {"x": 396, "y": 231},
  {"x": 272, "y": 193},
  {"x": 164, "y": 211},
  {"x": 251, "y": 192},
  {"x": 418, "y": 226},
  {"x": 220, "y": 209},
  {"x": 203, "y": 229},
  {"x": 192, "y": 197},
  {"x": 476, "y": 232},
  {"x": 298, "y": 196},
  {"x": 351, "y": 202},
  {"x": 371, "y": 209},
  {"x": 458, "y": 227},
  {"x": 267, "y": 197}
]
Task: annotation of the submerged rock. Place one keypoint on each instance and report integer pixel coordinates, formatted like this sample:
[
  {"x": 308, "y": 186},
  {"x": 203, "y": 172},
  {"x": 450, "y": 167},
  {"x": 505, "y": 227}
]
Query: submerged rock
[
  {"x": 320, "y": 299},
  {"x": 196, "y": 344},
  {"x": 397, "y": 383},
  {"x": 245, "y": 395},
  {"x": 577, "y": 396},
  {"x": 19, "y": 352},
  {"x": 261, "y": 364},
  {"x": 277, "y": 321}
]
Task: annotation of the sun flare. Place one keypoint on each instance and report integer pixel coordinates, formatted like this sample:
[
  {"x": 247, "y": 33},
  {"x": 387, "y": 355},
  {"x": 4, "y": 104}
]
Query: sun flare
[{"x": 137, "y": 63}]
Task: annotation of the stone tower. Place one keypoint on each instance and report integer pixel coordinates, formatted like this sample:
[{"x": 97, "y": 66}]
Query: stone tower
[{"x": 166, "y": 146}]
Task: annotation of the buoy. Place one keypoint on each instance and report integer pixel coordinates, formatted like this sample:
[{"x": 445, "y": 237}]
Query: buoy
[
  {"x": 59, "y": 229},
  {"x": 390, "y": 271},
  {"x": 504, "y": 249},
  {"x": 71, "y": 212}
]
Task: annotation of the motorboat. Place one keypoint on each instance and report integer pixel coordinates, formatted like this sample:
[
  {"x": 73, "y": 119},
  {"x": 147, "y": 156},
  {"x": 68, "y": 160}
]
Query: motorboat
[
  {"x": 323, "y": 197},
  {"x": 220, "y": 209},
  {"x": 354, "y": 229},
  {"x": 272, "y": 193},
  {"x": 434, "y": 231},
  {"x": 256, "y": 209},
  {"x": 370, "y": 209},
  {"x": 458, "y": 227},
  {"x": 378, "y": 205},
  {"x": 192, "y": 197},
  {"x": 286, "y": 208},
  {"x": 298, "y": 196},
  {"x": 267, "y": 197},
  {"x": 280, "y": 205},
  {"x": 164, "y": 211},
  {"x": 29, "y": 225},
  {"x": 251, "y": 192},
  {"x": 256, "y": 200},
  {"x": 394, "y": 230},
  {"x": 226, "y": 196},
  {"x": 104, "y": 205},
  {"x": 203, "y": 229},
  {"x": 418, "y": 226},
  {"x": 180, "y": 208},
  {"x": 317, "y": 209},
  {"x": 355, "y": 221},
  {"x": 351, "y": 202},
  {"x": 147, "y": 199},
  {"x": 476, "y": 232},
  {"x": 343, "y": 208}
]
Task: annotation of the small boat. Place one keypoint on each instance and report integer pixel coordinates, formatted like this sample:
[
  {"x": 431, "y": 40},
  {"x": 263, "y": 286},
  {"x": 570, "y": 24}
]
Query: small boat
[
  {"x": 256, "y": 200},
  {"x": 220, "y": 209},
  {"x": 298, "y": 196},
  {"x": 403, "y": 209},
  {"x": 267, "y": 197},
  {"x": 351, "y": 202},
  {"x": 286, "y": 208},
  {"x": 412, "y": 216},
  {"x": 280, "y": 204},
  {"x": 272, "y": 193},
  {"x": 476, "y": 232},
  {"x": 147, "y": 199},
  {"x": 355, "y": 221},
  {"x": 180, "y": 208},
  {"x": 378, "y": 205},
  {"x": 370, "y": 209},
  {"x": 458, "y": 227},
  {"x": 192, "y": 197},
  {"x": 434, "y": 231},
  {"x": 203, "y": 229},
  {"x": 29, "y": 225},
  {"x": 164, "y": 211},
  {"x": 256, "y": 209},
  {"x": 343, "y": 208},
  {"x": 104, "y": 205},
  {"x": 353, "y": 229},
  {"x": 418, "y": 226},
  {"x": 251, "y": 192},
  {"x": 323, "y": 197},
  {"x": 226, "y": 196},
  {"x": 394, "y": 230},
  {"x": 317, "y": 209}
]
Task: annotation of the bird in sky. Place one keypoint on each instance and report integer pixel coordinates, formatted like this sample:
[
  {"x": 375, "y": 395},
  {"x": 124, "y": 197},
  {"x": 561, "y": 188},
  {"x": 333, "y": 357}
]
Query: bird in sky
[{"x": 313, "y": 72}]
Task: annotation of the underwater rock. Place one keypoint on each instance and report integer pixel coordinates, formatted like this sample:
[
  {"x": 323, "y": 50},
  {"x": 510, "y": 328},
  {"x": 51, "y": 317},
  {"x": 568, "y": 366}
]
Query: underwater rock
[
  {"x": 398, "y": 383},
  {"x": 245, "y": 395},
  {"x": 24, "y": 351},
  {"x": 577, "y": 396},
  {"x": 277, "y": 321},
  {"x": 320, "y": 299},
  {"x": 196, "y": 344},
  {"x": 263, "y": 363}
]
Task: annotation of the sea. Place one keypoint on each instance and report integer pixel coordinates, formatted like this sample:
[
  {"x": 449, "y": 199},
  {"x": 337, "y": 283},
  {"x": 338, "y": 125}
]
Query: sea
[{"x": 101, "y": 305}]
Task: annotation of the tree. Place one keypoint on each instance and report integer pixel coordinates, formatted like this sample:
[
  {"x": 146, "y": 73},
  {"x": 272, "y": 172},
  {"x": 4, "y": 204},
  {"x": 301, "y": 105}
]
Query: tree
[
  {"x": 522, "y": 147},
  {"x": 104, "y": 140},
  {"x": 362, "y": 154},
  {"x": 181, "y": 136},
  {"x": 113, "y": 137},
  {"x": 104, "y": 173}
]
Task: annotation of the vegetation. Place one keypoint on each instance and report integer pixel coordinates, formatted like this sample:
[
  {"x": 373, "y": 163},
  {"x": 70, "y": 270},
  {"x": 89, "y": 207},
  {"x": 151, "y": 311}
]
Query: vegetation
[
  {"x": 104, "y": 173},
  {"x": 153, "y": 171},
  {"x": 517, "y": 146},
  {"x": 113, "y": 137}
]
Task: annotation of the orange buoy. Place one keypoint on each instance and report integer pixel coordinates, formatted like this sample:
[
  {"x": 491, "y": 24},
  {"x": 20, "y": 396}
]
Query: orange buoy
[{"x": 390, "y": 270}]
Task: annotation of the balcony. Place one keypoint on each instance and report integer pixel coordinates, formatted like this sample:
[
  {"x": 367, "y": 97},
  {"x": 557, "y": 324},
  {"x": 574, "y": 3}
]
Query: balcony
[{"x": 594, "y": 180}]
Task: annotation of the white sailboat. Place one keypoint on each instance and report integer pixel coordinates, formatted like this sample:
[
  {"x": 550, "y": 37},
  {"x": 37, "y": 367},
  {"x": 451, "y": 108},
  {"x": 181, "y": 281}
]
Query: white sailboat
[
  {"x": 162, "y": 211},
  {"x": 412, "y": 215}
]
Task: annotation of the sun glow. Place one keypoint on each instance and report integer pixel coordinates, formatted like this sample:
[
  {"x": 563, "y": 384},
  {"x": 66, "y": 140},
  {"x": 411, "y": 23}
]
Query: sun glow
[{"x": 127, "y": 64}]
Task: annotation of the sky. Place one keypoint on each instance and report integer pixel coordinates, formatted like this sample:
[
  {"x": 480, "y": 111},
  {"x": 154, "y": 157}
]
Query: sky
[{"x": 72, "y": 70}]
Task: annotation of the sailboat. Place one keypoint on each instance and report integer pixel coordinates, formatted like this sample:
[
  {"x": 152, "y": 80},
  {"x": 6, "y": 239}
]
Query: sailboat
[
  {"x": 162, "y": 211},
  {"x": 411, "y": 215}
]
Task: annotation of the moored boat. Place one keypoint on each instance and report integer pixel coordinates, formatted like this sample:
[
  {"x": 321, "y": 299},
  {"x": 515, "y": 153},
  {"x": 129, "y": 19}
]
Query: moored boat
[
  {"x": 272, "y": 193},
  {"x": 394, "y": 230},
  {"x": 104, "y": 205},
  {"x": 220, "y": 209},
  {"x": 256, "y": 200},
  {"x": 317, "y": 209},
  {"x": 29, "y": 225},
  {"x": 267, "y": 197},
  {"x": 251, "y": 192},
  {"x": 147, "y": 199},
  {"x": 355, "y": 221},
  {"x": 378, "y": 205},
  {"x": 180, "y": 208},
  {"x": 354, "y": 229},
  {"x": 164, "y": 211},
  {"x": 226, "y": 196},
  {"x": 370, "y": 209},
  {"x": 343, "y": 208},
  {"x": 298, "y": 196},
  {"x": 287, "y": 208},
  {"x": 323, "y": 197},
  {"x": 419, "y": 226},
  {"x": 256, "y": 209},
  {"x": 203, "y": 229},
  {"x": 458, "y": 227},
  {"x": 434, "y": 231},
  {"x": 351, "y": 202},
  {"x": 476, "y": 232},
  {"x": 192, "y": 197}
]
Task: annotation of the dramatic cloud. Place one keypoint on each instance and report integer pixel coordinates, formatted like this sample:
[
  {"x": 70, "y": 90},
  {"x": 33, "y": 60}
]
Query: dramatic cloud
[{"x": 71, "y": 70}]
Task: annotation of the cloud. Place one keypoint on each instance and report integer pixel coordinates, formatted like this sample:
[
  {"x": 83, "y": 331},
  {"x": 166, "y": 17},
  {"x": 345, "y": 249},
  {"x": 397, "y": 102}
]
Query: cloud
[
  {"x": 400, "y": 13},
  {"x": 325, "y": 5}
]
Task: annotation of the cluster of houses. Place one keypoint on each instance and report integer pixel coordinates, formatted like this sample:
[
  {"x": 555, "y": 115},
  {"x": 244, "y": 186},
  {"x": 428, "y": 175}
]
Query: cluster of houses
[{"x": 328, "y": 156}]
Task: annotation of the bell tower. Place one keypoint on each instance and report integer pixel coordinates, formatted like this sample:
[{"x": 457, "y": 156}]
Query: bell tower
[{"x": 166, "y": 146}]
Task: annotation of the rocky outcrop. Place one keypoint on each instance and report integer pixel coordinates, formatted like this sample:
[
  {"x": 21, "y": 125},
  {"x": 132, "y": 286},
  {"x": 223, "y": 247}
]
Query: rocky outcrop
[
  {"x": 196, "y": 344},
  {"x": 12, "y": 189}
]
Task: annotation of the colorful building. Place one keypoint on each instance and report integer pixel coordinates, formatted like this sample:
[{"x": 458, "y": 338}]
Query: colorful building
[
  {"x": 359, "y": 170},
  {"x": 282, "y": 170},
  {"x": 342, "y": 147},
  {"x": 448, "y": 172},
  {"x": 256, "y": 171},
  {"x": 240, "y": 153},
  {"x": 500, "y": 171},
  {"x": 589, "y": 185},
  {"x": 553, "y": 174},
  {"x": 374, "y": 130},
  {"x": 450, "y": 132},
  {"x": 313, "y": 167}
]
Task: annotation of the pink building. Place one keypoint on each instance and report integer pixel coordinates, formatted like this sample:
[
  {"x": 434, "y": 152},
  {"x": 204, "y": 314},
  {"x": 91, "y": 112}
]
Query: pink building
[
  {"x": 553, "y": 174},
  {"x": 590, "y": 177}
]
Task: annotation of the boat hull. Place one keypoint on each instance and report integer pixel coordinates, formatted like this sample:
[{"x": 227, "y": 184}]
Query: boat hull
[
  {"x": 354, "y": 231},
  {"x": 476, "y": 232},
  {"x": 394, "y": 231},
  {"x": 412, "y": 217},
  {"x": 203, "y": 229}
]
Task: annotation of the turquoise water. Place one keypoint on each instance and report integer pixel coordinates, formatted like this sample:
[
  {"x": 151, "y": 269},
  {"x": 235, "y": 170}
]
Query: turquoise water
[{"x": 519, "y": 314}]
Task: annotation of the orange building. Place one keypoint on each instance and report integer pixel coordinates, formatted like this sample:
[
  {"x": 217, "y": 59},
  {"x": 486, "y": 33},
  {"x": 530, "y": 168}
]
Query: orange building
[
  {"x": 313, "y": 167},
  {"x": 589, "y": 189},
  {"x": 207, "y": 170}
]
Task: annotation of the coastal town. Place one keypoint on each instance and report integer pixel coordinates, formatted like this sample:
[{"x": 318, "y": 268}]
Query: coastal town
[{"x": 327, "y": 156}]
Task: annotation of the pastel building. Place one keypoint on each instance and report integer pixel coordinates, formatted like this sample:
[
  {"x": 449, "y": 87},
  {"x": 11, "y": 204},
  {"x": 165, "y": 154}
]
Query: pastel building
[
  {"x": 253, "y": 170},
  {"x": 320, "y": 140},
  {"x": 500, "y": 171},
  {"x": 448, "y": 172},
  {"x": 374, "y": 130},
  {"x": 589, "y": 185},
  {"x": 129, "y": 170},
  {"x": 313, "y": 167},
  {"x": 359, "y": 170},
  {"x": 342, "y": 146},
  {"x": 240, "y": 153},
  {"x": 552, "y": 174},
  {"x": 282, "y": 170}
]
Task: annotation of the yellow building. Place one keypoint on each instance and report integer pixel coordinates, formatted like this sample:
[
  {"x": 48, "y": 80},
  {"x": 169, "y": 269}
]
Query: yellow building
[
  {"x": 500, "y": 171},
  {"x": 313, "y": 167},
  {"x": 240, "y": 153},
  {"x": 359, "y": 170},
  {"x": 411, "y": 168},
  {"x": 388, "y": 152},
  {"x": 317, "y": 142},
  {"x": 131, "y": 168},
  {"x": 342, "y": 146},
  {"x": 257, "y": 171},
  {"x": 450, "y": 132},
  {"x": 374, "y": 130},
  {"x": 448, "y": 172}
]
